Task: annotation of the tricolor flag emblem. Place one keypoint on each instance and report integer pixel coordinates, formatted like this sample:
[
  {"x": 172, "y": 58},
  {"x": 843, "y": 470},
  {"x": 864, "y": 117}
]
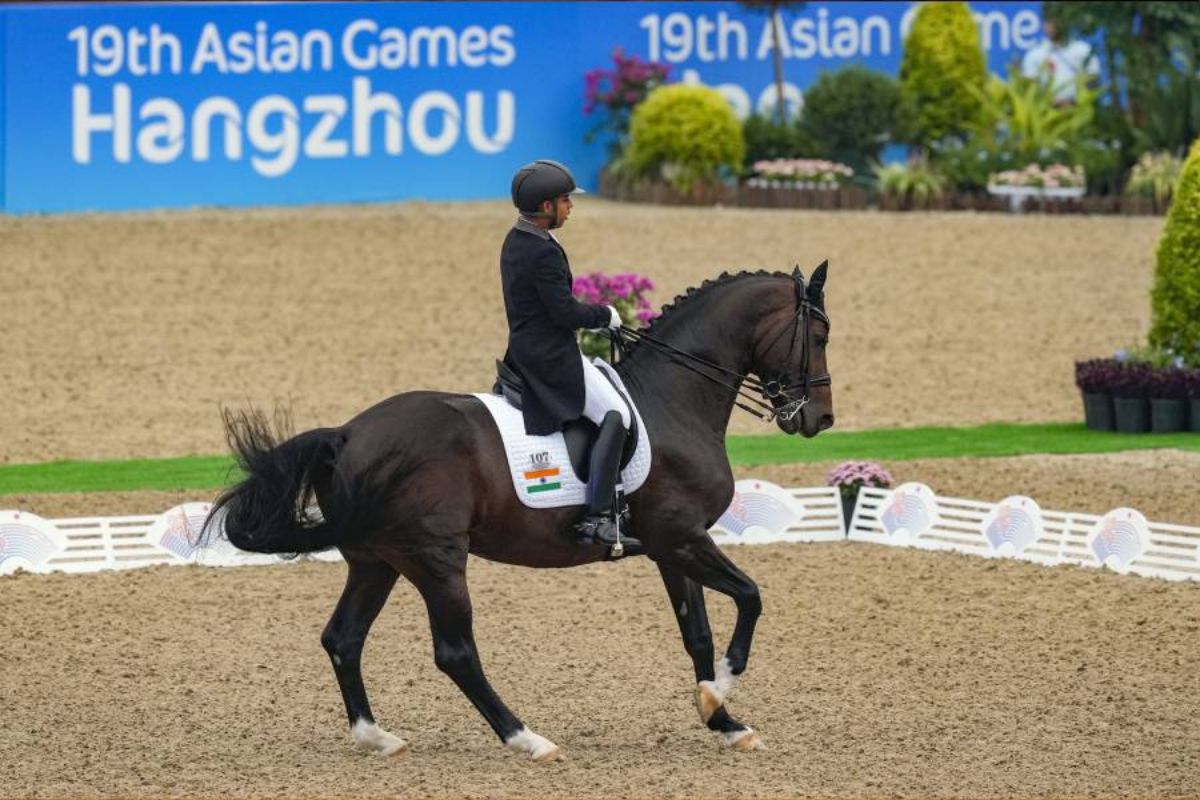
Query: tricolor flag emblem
[{"x": 542, "y": 480}]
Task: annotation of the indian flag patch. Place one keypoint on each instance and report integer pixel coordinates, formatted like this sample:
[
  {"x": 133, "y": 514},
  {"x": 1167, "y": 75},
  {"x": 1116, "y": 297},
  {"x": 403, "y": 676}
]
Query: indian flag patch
[{"x": 542, "y": 478}]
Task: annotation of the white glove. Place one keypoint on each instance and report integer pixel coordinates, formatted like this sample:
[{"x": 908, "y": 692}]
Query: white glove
[{"x": 615, "y": 322}]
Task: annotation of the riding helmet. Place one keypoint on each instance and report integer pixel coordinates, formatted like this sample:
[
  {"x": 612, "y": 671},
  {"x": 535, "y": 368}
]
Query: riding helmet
[{"x": 541, "y": 181}]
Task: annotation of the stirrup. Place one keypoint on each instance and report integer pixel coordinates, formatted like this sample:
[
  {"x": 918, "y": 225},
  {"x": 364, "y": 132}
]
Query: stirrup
[{"x": 597, "y": 529}]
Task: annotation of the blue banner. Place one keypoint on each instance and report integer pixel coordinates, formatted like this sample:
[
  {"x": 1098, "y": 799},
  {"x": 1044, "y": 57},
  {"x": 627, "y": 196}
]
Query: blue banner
[{"x": 113, "y": 106}]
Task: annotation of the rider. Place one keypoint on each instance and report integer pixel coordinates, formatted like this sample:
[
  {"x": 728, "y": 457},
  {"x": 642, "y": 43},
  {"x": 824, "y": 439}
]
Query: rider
[{"x": 543, "y": 315}]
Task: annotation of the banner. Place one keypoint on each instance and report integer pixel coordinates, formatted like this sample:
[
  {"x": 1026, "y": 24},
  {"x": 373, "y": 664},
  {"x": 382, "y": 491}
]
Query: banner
[{"x": 114, "y": 106}]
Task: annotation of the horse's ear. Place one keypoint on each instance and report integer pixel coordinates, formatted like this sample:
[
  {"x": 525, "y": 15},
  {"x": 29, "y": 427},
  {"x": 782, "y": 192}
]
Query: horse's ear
[
  {"x": 798, "y": 282},
  {"x": 817, "y": 287}
]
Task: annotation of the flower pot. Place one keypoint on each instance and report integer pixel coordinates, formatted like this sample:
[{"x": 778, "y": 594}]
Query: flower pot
[
  {"x": 1194, "y": 414},
  {"x": 1132, "y": 414},
  {"x": 1168, "y": 415},
  {"x": 848, "y": 504},
  {"x": 1098, "y": 411}
]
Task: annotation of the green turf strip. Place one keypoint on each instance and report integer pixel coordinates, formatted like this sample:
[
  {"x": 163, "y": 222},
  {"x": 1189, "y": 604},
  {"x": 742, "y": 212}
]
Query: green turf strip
[{"x": 999, "y": 439}]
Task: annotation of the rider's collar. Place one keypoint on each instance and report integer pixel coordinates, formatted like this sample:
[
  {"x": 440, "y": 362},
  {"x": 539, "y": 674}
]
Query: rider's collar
[{"x": 527, "y": 225}]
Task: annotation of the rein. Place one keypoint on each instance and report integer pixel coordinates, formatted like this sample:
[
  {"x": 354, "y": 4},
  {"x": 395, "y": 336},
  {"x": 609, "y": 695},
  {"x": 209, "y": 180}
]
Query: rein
[{"x": 770, "y": 390}]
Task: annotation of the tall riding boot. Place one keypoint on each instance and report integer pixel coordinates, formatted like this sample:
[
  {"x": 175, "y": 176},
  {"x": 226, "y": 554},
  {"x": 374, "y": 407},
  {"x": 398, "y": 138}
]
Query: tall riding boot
[{"x": 598, "y": 525}]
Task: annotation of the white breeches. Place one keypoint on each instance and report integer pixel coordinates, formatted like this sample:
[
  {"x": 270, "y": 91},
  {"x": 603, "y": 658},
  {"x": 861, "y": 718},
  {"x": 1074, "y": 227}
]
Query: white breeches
[{"x": 599, "y": 395}]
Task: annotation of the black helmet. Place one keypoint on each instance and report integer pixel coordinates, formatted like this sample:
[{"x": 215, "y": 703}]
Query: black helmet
[{"x": 541, "y": 181}]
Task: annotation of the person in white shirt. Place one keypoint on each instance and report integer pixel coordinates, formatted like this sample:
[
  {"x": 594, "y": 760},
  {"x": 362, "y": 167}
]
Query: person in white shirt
[{"x": 1060, "y": 60}]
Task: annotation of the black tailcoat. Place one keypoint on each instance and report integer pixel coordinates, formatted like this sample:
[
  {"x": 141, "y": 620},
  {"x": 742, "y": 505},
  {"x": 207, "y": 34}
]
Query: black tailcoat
[{"x": 543, "y": 316}]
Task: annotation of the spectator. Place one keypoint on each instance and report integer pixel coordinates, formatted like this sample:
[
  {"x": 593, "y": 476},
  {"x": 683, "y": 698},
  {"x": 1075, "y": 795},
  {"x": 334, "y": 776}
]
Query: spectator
[{"x": 1061, "y": 61}]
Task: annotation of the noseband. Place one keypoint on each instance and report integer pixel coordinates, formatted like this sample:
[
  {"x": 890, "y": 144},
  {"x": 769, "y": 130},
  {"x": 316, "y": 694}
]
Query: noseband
[{"x": 777, "y": 388}]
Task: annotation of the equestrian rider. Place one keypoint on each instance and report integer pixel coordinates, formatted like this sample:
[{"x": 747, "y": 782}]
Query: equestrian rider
[{"x": 543, "y": 315}]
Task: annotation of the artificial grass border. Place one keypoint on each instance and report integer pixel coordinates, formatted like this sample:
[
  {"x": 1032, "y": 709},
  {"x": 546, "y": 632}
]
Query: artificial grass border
[{"x": 892, "y": 444}]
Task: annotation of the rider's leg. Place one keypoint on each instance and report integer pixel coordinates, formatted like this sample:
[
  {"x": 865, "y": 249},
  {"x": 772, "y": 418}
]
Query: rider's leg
[{"x": 604, "y": 406}]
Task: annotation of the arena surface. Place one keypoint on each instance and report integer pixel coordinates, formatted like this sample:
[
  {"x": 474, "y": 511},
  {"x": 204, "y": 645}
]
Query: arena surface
[{"x": 876, "y": 673}]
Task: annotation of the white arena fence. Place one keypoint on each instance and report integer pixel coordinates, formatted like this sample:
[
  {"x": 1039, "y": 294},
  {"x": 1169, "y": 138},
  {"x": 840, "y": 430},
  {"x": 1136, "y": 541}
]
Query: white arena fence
[{"x": 761, "y": 512}]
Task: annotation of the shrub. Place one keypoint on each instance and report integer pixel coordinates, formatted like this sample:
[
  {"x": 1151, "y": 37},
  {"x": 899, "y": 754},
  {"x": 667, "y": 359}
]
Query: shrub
[
  {"x": 851, "y": 114},
  {"x": 688, "y": 134},
  {"x": 916, "y": 180},
  {"x": 1131, "y": 379},
  {"x": 618, "y": 91},
  {"x": 1154, "y": 175},
  {"x": 1175, "y": 297},
  {"x": 767, "y": 140},
  {"x": 942, "y": 63}
]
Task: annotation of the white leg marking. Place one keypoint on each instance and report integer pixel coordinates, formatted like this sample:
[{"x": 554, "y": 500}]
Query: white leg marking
[
  {"x": 711, "y": 695},
  {"x": 369, "y": 736},
  {"x": 539, "y": 748},
  {"x": 745, "y": 739},
  {"x": 725, "y": 678}
]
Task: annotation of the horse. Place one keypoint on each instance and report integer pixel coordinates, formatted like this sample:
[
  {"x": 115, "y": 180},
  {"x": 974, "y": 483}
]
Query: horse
[{"x": 414, "y": 484}]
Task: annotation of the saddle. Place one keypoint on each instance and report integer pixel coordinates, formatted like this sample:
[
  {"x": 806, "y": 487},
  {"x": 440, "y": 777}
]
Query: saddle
[{"x": 579, "y": 434}]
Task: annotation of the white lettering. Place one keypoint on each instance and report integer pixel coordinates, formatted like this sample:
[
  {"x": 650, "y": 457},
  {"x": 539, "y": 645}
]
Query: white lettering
[
  {"x": 84, "y": 123},
  {"x": 205, "y": 112},
  {"x": 506, "y": 116},
  {"x": 366, "y": 105},
  {"x": 332, "y": 108},
  {"x": 471, "y": 45},
  {"x": 283, "y": 145},
  {"x": 418, "y": 128},
  {"x": 160, "y": 141},
  {"x": 502, "y": 44},
  {"x": 352, "y": 56},
  {"x": 241, "y": 52},
  {"x": 435, "y": 40},
  {"x": 737, "y": 97},
  {"x": 209, "y": 50},
  {"x": 159, "y": 42}
]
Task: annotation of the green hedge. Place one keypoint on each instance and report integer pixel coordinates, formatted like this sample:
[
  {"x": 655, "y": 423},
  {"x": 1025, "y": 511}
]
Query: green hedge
[
  {"x": 1175, "y": 299},
  {"x": 688, "y": 134},
  {"x": 942, "y": 61}
]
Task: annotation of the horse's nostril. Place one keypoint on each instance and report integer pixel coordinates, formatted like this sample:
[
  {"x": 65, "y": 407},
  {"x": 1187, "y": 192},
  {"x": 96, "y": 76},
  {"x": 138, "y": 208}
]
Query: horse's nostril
[{"x": 826, "y": 421}]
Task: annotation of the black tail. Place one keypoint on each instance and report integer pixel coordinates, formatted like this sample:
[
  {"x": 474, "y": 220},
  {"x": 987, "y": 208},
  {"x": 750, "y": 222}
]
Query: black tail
[{"x": 272, "y": 509}]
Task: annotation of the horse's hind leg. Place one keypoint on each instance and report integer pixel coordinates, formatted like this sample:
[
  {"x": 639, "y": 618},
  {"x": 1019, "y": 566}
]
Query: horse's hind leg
[
  {"x": 368, "y": 585},
  {"x": 713, "y": 685},
  {"x": 440, "y": 577}
]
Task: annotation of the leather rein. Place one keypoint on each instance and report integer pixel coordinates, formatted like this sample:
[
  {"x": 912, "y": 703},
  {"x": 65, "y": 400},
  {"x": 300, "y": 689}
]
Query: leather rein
[{"x": 773, "y": 389}]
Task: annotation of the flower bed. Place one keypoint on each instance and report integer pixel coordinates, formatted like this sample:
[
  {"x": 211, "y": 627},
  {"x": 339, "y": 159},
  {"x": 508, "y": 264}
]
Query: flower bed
[{"x": 849, "y": 197}]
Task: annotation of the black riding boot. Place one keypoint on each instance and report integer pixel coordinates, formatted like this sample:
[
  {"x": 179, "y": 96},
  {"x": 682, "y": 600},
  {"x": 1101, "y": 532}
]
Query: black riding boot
[{"x": 598, "y": 525}]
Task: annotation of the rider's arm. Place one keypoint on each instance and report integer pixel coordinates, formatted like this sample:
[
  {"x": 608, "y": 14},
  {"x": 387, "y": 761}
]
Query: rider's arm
[{"x": 554, "y": 290}]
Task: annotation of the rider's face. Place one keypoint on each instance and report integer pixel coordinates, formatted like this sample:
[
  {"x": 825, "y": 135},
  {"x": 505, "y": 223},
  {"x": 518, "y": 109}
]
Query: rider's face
[{"x": 560, "y": 207}]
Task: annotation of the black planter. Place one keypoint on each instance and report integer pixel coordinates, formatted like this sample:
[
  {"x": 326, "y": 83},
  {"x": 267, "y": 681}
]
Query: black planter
[
  {"x": 1098, "y": 411},
  {"x": 1168, "y": 415},
  {"x": 848, "y": 504},
  {"x": 1194, "y": 414},
  {"x": 1132, "y": 414}
]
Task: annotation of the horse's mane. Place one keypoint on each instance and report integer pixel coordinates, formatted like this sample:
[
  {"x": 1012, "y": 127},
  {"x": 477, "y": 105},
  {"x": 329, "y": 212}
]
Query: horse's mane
[{"x": 695, "y": 291}]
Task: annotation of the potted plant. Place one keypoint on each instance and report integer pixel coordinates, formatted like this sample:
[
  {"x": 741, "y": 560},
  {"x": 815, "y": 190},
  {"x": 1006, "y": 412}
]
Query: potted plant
[
  {"x": 1168, "y": 399},
  {"x": 1055, "y": 181},
  {"x": 626, "y": 292},
  {"x": 850, "y": 476},
  {"x": 1131, "y": 391},
  {"x": 1094, "y": 379}
]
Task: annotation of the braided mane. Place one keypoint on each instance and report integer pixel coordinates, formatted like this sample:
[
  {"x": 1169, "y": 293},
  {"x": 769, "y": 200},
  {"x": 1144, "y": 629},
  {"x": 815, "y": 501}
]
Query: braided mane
[{"x": 695, "y": 291}]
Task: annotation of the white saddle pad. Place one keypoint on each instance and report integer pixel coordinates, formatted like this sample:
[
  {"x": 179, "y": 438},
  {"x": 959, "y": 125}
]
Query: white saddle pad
[{"x": 540, "y": 467}]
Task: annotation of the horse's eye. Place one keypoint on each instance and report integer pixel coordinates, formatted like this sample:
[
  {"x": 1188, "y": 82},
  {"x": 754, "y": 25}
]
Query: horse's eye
[{"x": 822, "y": 341}]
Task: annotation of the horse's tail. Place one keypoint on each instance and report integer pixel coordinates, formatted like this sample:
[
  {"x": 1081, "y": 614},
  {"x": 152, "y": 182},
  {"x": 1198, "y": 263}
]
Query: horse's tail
[{"x": 272, "y": 510}]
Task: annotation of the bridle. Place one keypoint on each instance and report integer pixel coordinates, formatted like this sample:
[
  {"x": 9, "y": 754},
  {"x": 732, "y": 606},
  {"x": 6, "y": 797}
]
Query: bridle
[{"x": 772, "y": 389}]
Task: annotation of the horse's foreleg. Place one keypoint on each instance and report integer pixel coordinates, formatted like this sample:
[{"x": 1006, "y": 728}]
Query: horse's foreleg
[
  {"x": 368, "y": 584},
  {"x": 442, "y": 582},
  {"x": 684, "y": 572}
]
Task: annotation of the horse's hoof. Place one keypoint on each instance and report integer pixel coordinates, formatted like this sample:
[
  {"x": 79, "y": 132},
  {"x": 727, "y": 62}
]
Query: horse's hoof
[
  {"x": 369, "y": 736},
  {"x": 555, "y": 753},
  {"x": 539, "y": 748},
  {"x": 747, "y": 739},
  {"x": 708, "y": 699}
]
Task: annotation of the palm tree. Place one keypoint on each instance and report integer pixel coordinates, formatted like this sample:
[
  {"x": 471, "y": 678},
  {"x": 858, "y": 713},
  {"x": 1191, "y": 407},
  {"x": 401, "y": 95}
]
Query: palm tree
[{"x": 772, "y": 9}]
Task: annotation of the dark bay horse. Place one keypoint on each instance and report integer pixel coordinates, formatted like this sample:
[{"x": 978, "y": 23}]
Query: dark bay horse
[{"x": 412, "y": 485}]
